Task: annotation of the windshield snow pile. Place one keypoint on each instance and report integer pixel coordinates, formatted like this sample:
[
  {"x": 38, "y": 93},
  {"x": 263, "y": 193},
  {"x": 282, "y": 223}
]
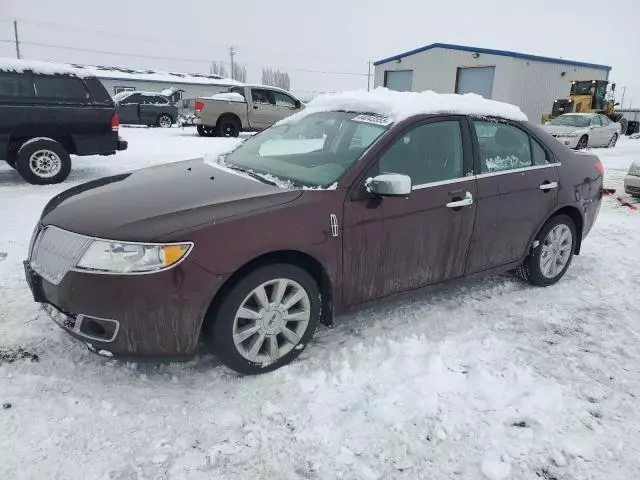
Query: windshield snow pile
[
  {"x": 44, "y": 68},
  {"x": 402, "y": 105}
]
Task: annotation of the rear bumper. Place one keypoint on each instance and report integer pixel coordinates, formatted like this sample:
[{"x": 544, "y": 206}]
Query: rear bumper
[
  {"x": 632, "y": 185},
  {"x": 122, "y": 144}
]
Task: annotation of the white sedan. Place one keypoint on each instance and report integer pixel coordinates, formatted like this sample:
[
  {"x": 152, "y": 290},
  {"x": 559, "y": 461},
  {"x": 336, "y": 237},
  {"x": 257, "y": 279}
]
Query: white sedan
[{"x": 582, "y": 130}]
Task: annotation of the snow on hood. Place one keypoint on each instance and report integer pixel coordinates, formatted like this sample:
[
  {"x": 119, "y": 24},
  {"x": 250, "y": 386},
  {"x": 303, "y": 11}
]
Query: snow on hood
[
  {"x": 229, "y": 97},
  {"x": 401, "y": 105},
  {"x": 44, "y": 68}
]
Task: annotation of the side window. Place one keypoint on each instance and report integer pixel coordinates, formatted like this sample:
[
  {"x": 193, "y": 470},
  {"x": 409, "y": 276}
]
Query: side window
[
  {"x": 262, "y": 96},
  {"x": 605, "y": 121},
  {"x": 427, "y": 153},
  {"x": 60, "y": 86},
  {"x": 117, "y": 90},
  {"x": 283, "y": 100},
  {"x": 97, "y": 90},
  {"x": 502, "y": 147},
  {"x": 596, "y": 121},
  {"x": 161, "y": 100},
  {"x": 538, "y": 153},
  {"x": 15, "y": 85},
  {"x": 238, "y": 90},
  {"x": 133, "y": 98}
]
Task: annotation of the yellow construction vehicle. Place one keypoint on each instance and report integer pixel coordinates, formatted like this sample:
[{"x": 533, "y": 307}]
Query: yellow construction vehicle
[{"x": 589, "y": 96}]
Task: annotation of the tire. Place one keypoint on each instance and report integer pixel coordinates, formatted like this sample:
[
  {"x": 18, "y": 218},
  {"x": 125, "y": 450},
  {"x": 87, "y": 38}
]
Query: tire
[
  {"x": 532, "y": 269},
  {"x": 206, "y": 131},
  {"x": 582, "y": 143},
  {"x": 228, "y": 127},
  {"x": 270, "y": 323},
  {"x": 164, "y": 121},
  {"x": 613, "y": 141},
  {"x": 43, "y": 162}
]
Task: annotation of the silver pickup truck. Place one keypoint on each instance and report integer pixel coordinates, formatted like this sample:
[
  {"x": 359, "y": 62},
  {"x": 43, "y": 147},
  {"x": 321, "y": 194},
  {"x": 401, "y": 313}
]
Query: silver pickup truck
[{"x": 248, "y": 108}]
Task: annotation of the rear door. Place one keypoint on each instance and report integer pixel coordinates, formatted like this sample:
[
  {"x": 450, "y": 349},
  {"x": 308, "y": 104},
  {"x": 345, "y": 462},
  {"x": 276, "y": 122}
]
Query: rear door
[
  {"x": 392, "y": 245},
  {"x": 517, "y": 190},
  {"x": 264, "y": 111},
  {"x": 129, "y": 109}
]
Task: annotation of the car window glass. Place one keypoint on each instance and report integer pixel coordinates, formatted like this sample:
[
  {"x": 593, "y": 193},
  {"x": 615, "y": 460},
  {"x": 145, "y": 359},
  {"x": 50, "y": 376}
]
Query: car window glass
[
  {"x": 97, "y": 90},
  {"x": 133, "y": 98},
  {"x": 238, "y": 90},
  {"x": 427, "y": 153},
  {"x": 59, "y": 86},
  {"x": 261, "y": 96},
  {"x": 538, "y": 153},
  {"x": 596, "y": 121},
  {"x": 283, "y": 100},
  {"x": 502, "y": 146},
  {"x": 604, "y": 120},
  {"x": 14, "y": 85}
]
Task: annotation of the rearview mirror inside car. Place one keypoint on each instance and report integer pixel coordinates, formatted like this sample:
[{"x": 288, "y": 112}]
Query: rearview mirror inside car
[{"x": 389, "y": 185}]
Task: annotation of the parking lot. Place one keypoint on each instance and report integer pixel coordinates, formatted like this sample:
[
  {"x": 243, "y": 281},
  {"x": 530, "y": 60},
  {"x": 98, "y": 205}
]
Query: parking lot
[{"x": 541, "y": 381}]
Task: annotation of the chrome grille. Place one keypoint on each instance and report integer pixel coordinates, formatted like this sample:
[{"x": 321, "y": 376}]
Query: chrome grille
[{"x": 55, "y": 252}]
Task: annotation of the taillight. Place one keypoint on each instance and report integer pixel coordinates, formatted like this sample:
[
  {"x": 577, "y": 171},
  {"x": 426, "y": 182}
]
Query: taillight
[
  {"x": 199, "y": 106},
  {"x": 115, "y": 123},
  {"x": 600, "y": 167}
]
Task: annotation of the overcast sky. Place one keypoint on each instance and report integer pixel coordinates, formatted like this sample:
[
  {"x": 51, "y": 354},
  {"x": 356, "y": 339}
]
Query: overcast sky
[{"x": 338, "y": 36}]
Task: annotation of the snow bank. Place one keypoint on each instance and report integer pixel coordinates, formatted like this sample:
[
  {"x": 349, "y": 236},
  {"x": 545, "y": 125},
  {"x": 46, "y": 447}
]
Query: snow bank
[
  {"x": 45, "y": 68},
  {"x": 401, "y": 105},
  {"x": 229, "y": 97}
]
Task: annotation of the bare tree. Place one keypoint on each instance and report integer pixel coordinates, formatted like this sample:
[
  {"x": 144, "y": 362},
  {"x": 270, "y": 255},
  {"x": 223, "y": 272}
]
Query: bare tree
[
  {"x": 276, "y": 78},
  {"x": 218, "y": 68},
  {"x": 239, "y": 73}
]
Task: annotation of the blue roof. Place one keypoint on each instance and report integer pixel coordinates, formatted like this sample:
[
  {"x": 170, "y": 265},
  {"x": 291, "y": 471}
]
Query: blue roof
[{"x": 503, "y": 53}]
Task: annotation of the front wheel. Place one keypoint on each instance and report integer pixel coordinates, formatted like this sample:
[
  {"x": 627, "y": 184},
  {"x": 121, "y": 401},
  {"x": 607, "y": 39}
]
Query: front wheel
[
  {"x": 582, "y": 143},
  {"x": 205, "y": 131},
  {"x": 266, "y": 320},
  {"x": 165, "y": 121},
  {"x": 43, "y": 162},
  {"x": 552, "y": 254}
]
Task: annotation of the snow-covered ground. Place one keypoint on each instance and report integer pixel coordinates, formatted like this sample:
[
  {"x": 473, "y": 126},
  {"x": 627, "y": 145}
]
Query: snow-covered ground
[{"x": 493, "y": 379}]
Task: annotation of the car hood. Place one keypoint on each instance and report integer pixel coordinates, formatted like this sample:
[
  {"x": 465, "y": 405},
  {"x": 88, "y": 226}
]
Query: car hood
[
  {"x": 144, "y": 205},
  {"x": 563, "y": 129}
]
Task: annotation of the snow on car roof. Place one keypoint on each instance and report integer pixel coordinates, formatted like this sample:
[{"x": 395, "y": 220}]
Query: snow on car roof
[
  {"x": 401, "y": 105},
  {"x": 45, "y": 68}
]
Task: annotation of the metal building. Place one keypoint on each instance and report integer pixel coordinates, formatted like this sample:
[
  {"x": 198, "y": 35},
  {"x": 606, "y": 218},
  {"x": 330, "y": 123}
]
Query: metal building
[
  {"x": 186, "y": 85},
  {"x": 529, "y": 81}
]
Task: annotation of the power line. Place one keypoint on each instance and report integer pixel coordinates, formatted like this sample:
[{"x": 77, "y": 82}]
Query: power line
[{"x": 182, "y": 59}]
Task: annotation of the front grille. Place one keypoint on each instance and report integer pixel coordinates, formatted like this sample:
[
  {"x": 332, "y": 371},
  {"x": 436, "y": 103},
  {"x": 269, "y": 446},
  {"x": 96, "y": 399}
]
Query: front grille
[{"x": 55, "y": 251}]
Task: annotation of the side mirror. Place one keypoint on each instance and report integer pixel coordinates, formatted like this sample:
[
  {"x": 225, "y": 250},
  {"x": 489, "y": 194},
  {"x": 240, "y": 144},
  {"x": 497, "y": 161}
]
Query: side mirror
[{"x": 389, "y": 185}]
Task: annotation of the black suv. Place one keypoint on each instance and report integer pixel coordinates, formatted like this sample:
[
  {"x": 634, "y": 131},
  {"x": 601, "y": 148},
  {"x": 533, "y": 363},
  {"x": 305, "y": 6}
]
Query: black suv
[
  {"x": 49, "y": 111},
  {"x": 145, "y": 108}
]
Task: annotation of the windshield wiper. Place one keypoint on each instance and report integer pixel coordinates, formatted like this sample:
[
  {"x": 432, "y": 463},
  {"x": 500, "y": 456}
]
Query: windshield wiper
[{"x": 252, "y": 174}]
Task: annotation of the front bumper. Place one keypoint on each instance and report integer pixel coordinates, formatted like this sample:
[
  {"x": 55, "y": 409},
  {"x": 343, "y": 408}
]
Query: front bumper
[
  {"x": 632, "y": 185},
  {"x": 156, "y": 315},
  {"x": 570, "y": 142}
]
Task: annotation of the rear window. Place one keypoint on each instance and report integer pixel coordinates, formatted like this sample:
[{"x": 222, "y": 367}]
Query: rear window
[
  {"x": 97, "y": 91},
  {"x": 60, "y": 87},
  {"x": 15, "y": 85}
]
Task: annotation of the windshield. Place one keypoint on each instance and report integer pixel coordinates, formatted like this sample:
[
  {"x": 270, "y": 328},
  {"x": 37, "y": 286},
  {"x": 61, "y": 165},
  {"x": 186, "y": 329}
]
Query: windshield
[
  {"x": 315, "y": 151},
  {"x": 572, "y": 121}
]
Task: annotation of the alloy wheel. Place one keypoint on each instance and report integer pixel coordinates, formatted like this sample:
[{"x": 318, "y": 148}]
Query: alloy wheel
[
  {"x": 45, "y": 163},
  {"x": 164, "y": 121},
  {"x": 271, "y": 320},
  {"x": 556, "y": 251}
]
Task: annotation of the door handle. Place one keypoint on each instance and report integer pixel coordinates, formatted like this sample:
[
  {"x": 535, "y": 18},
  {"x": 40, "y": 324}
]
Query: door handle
[
  {"x": 549, "y": 186},
  {"x": 467, "y": 200}
]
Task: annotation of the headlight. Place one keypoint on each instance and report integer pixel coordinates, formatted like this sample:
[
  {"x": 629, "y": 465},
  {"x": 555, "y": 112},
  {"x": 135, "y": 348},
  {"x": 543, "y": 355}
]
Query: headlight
[
  {"x": 116, "y": 257},
  {"x": 634, "y": 169}
]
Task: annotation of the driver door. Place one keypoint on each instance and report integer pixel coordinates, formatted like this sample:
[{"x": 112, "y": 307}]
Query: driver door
[
  {"x": 129, "y": 109},
  {"x": 395, "y": 244}
]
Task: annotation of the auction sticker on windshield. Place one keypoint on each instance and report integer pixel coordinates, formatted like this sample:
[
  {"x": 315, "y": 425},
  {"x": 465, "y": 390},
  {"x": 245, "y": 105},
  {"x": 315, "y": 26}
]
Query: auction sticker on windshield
[{"x": 375, "y": 119}]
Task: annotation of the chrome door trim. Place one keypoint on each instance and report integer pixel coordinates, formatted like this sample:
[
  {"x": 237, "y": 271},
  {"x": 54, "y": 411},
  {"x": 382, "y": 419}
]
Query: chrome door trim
[
  {"x": 517, "y": 170},
  {"x": 443, "y": 182}
]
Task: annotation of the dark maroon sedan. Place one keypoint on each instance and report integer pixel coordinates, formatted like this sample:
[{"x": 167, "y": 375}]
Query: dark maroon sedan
[{"x": 311, "y": 218}]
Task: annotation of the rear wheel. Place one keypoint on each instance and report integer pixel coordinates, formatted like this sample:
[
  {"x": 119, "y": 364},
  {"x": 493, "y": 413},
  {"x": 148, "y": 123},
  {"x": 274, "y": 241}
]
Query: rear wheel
[
  {"x": 205, "y": 131},
  {"x": 228, "y": 127},
  {"x": 266, "y": 320},
  {"x": 582, "y": 143},
  {"x": 43, "y": 162},
  {"x": 552, "y": 255},
  {"x": 613, "y": 141}
]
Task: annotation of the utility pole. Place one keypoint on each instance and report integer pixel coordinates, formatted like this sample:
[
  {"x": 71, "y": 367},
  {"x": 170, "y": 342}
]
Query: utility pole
[
  {"x": 369, "y": 77},
  {"x": 624, "y": 89},
  {"x": 232, "y": 53},
  {"x": 15, "y": 31}
]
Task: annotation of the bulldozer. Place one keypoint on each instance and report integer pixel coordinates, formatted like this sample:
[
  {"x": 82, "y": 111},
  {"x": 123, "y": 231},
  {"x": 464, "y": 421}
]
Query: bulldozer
[{"x": 589, "y": 96}]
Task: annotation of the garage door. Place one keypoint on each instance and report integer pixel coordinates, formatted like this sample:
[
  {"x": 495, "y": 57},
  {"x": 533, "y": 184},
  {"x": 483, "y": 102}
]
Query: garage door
[
  {"x": 399, "y": 81},
  {"x": 476, "y": 80}
]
